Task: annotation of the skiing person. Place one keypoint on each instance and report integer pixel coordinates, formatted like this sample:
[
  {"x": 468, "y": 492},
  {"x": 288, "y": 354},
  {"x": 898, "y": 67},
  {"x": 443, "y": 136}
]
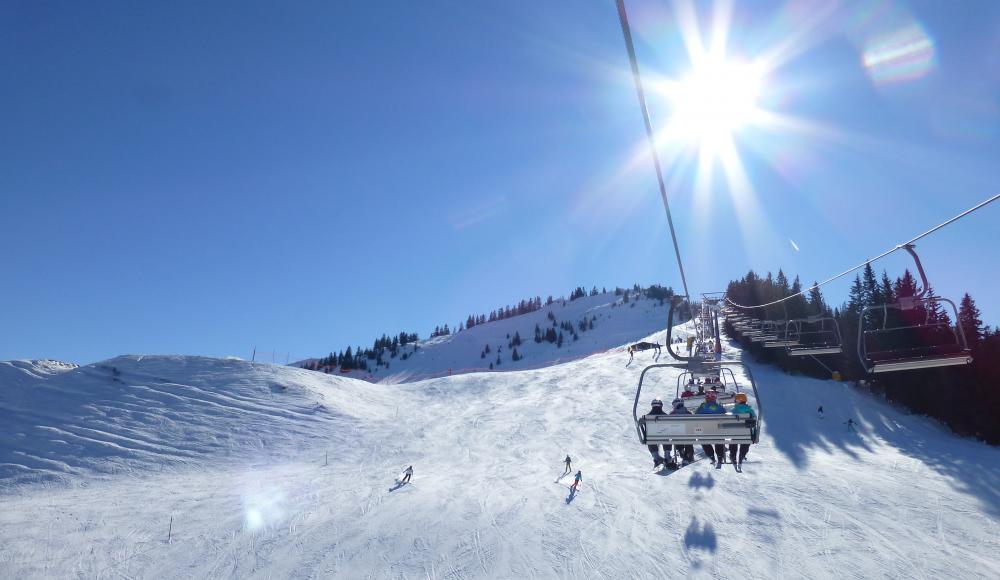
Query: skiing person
[
  {"x": 850, "y": 426},
  {"x": 641, "y": 346},
  {"x": 741, "y": 408},
  {"x": 712, "y": 407},
  {"x": 685, "y": 451},
  {"x": 407, "y": 474},
  {"x": 819, "y": 411},
  {"x": 656, "y": 408},
  {"x": 576, "y": 481},
  {"x": 569, "y": 465}
]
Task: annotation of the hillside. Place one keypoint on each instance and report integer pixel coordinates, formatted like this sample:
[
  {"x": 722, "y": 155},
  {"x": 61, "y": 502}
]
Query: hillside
[
  {"x": 275, "y": 472},
  {"x": 615, "y": 323}
]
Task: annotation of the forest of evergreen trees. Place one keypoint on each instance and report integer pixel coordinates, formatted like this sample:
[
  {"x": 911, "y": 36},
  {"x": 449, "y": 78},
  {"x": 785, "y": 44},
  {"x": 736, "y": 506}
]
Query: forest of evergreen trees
[{"x": 966, "y": 398}]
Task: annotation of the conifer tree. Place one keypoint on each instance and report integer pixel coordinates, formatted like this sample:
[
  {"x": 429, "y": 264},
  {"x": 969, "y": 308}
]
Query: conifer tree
[
  {"x": 970, "y": 319},
  {"x": 816, "y": 303}
]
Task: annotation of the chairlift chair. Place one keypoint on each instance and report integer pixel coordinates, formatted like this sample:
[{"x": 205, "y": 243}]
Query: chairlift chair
[
  {"x": 696, "y": 429},
  {"x": 912, "y": 344},
  {"x": 780, "y": 340},
  {"x": 815, "y": 336}
]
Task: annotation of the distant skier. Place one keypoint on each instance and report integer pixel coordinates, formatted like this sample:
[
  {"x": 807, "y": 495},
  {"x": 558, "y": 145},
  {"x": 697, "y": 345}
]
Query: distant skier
[
  {"x": 741, "y": 408},
  {"x": 569, "y": 465},
  {"x": 850, "y": 425},
  {"x": 819, "y": 411},
  {"x": 641, "y": 346},
  {"x": 576, "y": 481},
  {"x": 712, "y": 407},
  {"x": 656, "y": 408},
  {"x": 690, "y": 344},
  {"x": 407, "y": 474}
]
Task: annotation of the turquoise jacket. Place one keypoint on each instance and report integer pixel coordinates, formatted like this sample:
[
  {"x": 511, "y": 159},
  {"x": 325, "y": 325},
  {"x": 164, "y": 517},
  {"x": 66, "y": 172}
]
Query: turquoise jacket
[
  {"x": 743, "y": 409},
  {"x": 707, "y": 408}
]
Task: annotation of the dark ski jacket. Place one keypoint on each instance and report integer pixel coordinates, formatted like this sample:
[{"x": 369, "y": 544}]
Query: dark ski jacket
[{"x": 707, "y": 408}]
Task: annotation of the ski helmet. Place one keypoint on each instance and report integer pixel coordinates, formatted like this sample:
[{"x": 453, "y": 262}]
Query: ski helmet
[
  {"x": 678, "y": 404},
  {"x": 657, "y": 403},
  {"x": 741, "y": 397},
  {"x": 710, "y": 396}
]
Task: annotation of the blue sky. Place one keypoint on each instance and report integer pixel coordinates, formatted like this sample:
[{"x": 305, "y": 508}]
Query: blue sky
[{"x": 202, "y": 178}]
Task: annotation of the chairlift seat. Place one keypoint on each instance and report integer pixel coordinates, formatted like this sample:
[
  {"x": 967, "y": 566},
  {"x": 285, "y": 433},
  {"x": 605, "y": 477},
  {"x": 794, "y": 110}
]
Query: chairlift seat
[
  {"x": 924, "y": 357},
  {"x": 698, "y": 429},
  {"x": 924, "y": 362},
  {"x": 814, "y": 349}
]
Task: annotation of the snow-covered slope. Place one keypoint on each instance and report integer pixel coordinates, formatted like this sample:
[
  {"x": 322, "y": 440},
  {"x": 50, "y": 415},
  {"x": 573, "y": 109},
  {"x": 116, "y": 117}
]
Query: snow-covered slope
[
  {"x": 142, "y": 413},
  {"x": 616, "y": 323},
  {"x": 901, "y": 499}
]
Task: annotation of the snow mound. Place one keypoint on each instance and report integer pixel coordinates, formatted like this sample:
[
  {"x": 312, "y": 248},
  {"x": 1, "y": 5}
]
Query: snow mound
[{"x": 162, "y": 412}]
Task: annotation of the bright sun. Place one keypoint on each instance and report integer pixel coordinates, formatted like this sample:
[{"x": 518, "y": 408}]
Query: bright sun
[{"x": 714, "y": 101}]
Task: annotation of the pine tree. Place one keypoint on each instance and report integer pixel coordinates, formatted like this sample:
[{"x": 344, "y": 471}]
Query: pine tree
[
  {"x": 816, "y": 303},
  {"x": 887, "y": 293},
  {"x": 872, "y": 290},
  {"x": 936, "y": 312},
  {"x": 855, "y": 298},
  {"x": 781, "y": 285},
  {"x": 972, "y": 323},
  {"x": 798, "y": 307}
]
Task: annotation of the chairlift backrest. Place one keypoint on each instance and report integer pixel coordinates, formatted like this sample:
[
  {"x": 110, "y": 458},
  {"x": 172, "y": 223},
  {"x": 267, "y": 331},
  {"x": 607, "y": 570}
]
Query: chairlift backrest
[{"x": 900, "y": 344}]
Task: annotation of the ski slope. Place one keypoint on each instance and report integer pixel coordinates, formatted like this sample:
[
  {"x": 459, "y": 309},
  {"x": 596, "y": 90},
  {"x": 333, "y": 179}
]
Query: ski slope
[
  {"x": 286, "y": 474},
  {"x": 616, "y": 324}
]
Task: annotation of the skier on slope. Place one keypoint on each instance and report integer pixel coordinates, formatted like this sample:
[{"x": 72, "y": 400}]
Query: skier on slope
[
  {"x": 685, "y": 451},
  {"x": 819, "y": 411},
  {"x": 741, "y": 408},
  {"x": 712, "y": 407},
  {"x": 569, "y": 465},
  {"x": 656, "y": 408},
  {"x": 850, "y": 426},
  {"x": 576, "y": 481},
  {"x": 407, "y": 474}
]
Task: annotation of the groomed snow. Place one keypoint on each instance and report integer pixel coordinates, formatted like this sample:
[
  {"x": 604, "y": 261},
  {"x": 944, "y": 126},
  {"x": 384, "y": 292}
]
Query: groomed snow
[{"x": 287, "y": 475}]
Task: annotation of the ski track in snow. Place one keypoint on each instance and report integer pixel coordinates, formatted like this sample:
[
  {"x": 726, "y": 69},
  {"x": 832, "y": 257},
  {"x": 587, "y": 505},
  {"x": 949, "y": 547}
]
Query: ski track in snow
[{"x": 95, "y": 461}]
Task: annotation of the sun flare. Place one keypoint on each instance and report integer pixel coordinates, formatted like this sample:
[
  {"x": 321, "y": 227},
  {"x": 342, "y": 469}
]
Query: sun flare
[{"x": 714, "y": 101}]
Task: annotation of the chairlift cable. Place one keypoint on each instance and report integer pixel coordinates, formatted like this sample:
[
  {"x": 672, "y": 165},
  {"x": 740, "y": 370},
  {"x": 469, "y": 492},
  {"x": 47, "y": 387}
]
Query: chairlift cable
[
  {"x": 870, "y": 260},
  {"x": 626, "y": 31}
]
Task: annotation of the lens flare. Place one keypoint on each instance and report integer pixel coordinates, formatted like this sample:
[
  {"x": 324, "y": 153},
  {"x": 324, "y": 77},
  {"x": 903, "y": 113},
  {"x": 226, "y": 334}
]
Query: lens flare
[
  {"x": 906, "y": 54},
  {"x": 263, "y": 506}
]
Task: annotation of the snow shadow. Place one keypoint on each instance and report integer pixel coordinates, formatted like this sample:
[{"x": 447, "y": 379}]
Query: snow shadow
[
  {"x": 699, "y": 481},
  {"x": 571, "y": 496},
  {"x": 700, "y": 537},
  {"x": 757, "y": 513},
  {"x": 792, "y": 426}
]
